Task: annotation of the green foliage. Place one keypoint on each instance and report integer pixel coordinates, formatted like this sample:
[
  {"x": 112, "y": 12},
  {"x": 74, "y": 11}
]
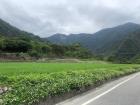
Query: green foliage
[
  {"x": 13, "y": 40},
  {"x": 39, "y": 49},
  {"x": 58, "y": 50},
  {"x": 34, "y": 53},
  {"x": 10, "y": 31},
  {"x": 128, "y": 51},
  {"x": 121, "y": 42},
  {"x": 30, "y": 82},
  {"x": 16, "y": 45}
]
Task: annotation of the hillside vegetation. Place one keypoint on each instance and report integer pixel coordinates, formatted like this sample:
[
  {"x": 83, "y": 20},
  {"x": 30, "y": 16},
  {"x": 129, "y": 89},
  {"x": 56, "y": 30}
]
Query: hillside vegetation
[
  {"x": 26, "y": 45},
  {"x": 119, "y": 44}
]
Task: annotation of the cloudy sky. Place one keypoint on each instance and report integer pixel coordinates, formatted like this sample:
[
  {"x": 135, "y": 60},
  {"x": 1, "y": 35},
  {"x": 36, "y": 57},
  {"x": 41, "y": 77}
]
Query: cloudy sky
[{"x": 47, "y": 17}]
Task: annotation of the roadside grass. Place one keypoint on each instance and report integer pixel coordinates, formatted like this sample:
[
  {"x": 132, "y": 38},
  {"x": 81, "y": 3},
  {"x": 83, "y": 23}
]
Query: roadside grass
[{"x": 30, "y": 82}]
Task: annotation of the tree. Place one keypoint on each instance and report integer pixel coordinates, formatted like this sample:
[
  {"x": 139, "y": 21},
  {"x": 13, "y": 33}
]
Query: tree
[
  {"x": 58, "y": 50},
  {"x": 11, "y": 45}
]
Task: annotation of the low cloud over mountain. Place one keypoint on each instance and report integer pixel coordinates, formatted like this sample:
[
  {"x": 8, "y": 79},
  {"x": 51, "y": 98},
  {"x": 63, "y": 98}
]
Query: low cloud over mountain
[{"x": 47, "y": 17}]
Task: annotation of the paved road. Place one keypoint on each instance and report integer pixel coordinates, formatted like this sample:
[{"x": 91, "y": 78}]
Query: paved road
[{"x": 124, "y": 91}]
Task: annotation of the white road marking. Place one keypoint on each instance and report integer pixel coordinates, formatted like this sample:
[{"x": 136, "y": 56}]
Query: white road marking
[{"x": 97, "y": 97}]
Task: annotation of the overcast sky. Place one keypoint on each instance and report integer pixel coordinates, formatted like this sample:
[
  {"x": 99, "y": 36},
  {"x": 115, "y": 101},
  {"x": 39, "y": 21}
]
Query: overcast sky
[{"x": 47, "y": 17}]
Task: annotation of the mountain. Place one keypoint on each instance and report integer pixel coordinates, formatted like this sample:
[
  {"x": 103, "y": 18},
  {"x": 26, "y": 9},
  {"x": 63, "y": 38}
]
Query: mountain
[
  {"x": 8, "y": 30},
  {"x": 120, "y": 43},
  {"x": 116, "y": 41},
  {"x": 69, "y": 39},
  {"x": 16, "y": 44}
]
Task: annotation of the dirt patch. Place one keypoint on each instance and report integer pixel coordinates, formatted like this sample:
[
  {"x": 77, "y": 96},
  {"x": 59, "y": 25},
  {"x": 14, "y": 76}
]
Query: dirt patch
[
  {"x": 60, "y": 60},
  {"x": 4, "y": 89}
]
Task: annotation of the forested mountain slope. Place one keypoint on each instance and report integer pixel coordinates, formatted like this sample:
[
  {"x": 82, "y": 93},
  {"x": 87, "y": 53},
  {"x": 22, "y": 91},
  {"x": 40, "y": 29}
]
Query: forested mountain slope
[{"x": 121, "y": 42}]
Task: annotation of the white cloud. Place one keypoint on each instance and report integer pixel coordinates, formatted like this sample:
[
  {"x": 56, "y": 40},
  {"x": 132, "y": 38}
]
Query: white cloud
[{"x": 46, "y": 17}]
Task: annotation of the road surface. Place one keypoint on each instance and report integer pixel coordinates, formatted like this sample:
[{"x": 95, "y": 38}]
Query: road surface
[{"x": 124, "y": 91}]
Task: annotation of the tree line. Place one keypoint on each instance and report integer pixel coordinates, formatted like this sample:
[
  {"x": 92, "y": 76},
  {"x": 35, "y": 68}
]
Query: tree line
[{"x": 40, "y": 48}]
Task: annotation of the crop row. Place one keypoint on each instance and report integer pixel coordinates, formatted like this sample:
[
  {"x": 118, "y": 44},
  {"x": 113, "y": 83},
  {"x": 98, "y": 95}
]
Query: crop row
[{"x": 26, "y": 89}]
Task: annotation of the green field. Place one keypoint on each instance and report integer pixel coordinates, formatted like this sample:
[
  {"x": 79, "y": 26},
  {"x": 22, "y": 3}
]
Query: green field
[{"x": 30, "y": 82}]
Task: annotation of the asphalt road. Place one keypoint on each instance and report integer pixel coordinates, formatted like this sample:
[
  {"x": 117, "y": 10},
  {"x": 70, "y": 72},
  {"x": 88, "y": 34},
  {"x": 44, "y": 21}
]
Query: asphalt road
[{"x": 124, "y": 91}]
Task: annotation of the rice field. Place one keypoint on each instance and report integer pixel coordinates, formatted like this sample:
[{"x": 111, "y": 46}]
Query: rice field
[{"x": 28, "y": 82}]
